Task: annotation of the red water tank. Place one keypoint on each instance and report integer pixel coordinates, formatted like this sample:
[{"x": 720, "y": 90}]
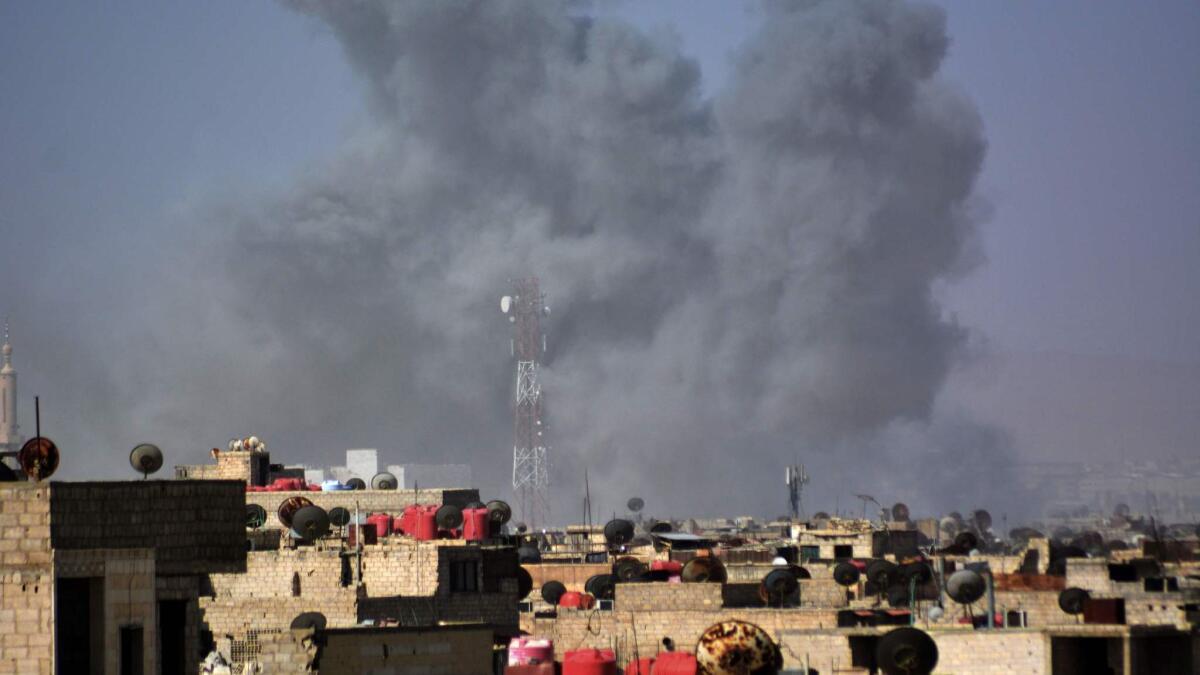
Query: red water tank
[
  {"x": 407, "y": 522},
  {"x": 674, "y": 663},
  {"x": 313, "y": 487},
  {"x": 368, "y": 534},
  {"x": 425, "y": 528},
  {"x": 476, "y": 524},
  {"x": 640, "y": 667},
  {"x": 672, "y": 566},
  {"x": 576, "y": 600},
  {"x": 382, "y": 523},
  {"x": 589, "y": 662},
  {"x": 286, "y": 485}
]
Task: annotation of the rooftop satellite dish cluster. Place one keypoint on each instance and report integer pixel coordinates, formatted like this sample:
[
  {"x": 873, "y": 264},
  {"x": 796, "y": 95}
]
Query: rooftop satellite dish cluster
[{"x": 247, "y": 444}]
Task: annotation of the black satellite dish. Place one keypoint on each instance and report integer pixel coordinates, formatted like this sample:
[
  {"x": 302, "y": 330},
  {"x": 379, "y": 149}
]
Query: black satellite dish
[
  {"x": 313, "y": 620},
  {"x": 906, "y": 651},
  {"x": 339, "y": 516},
  {"x": 704, "y": 569},
  {"x": 552, "y": 591},
  {"x": 966, "y": 541},
  {"x": 449, "y": 517},
  {"x": 661, "y": 527},
  {"x": 799, "y": 572},
  {"x": 524, "y": 583},
  {"x": 845, "y": 574},
  {"x": 499, "y": 512},
  {"x": 601, "y": 586},
  {"x": 966, "y": 586},
  {"x": 919, "y": 571},
  {"x": 522, "y": 528},
  {"x": 256, "y": 516},
  {"x": 618, "y": 531},
  {"x": 1071, "y": 600},
  {"x": 356, "y": 484},
  {"x": 146, "y": 459},
  {"x": 982, "y": 520},
  {"x": 384, "y": 480},
  {"x": 778, "y": 586},
  {"x": 636, "y": 504},
  {"x": 288, "y": 508},
  {"x": 881, "y": 572},
  {"x": 310, "y": 522},
  {"x": 900, "y": 512},
  {"x": 528, "y": 554},
  {"x": 628, "y": 569},
  {"x": 38, "y": 458}
]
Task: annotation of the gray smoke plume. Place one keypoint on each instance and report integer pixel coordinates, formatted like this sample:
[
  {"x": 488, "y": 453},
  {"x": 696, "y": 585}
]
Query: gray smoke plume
[{"x": 737, "y": 282}]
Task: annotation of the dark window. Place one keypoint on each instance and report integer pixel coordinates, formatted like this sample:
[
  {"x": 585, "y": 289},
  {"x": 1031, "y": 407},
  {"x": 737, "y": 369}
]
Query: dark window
[
  {"x": 842, "y": 551},
  {"x": 172, "y": 635},
  {"x": 131, "y": 650},
  {"x": 464, "y": 576},
  {"x": 809, "y": 553},
  {"x": 295, "y": 584},
  {"x": 498, "y": 564}
]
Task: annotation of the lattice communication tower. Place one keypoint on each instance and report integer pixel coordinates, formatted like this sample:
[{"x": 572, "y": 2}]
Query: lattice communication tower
[{"x": 531, "y": 472}]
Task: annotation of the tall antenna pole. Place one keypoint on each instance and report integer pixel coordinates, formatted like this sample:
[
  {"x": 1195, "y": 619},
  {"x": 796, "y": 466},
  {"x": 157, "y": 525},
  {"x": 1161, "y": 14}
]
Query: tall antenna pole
[{"x": 531, "y": 476}]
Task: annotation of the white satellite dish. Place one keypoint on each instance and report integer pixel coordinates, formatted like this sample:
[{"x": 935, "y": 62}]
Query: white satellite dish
[{"x": 505, "y": 303}]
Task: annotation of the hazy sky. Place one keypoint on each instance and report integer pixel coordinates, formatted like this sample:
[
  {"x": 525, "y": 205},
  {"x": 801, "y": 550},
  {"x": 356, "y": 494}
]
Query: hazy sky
[{"x": 120, "y": 122}]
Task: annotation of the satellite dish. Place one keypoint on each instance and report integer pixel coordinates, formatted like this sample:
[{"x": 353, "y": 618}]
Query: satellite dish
[
  {"x": 552, "y": 591},
  {"x": 906, "y": 651},
  {"x": 524, "y": 583},
  {"x": 948, "y": 525},
  {"x": 384, "y": 481},
  {"x": 799, "y": 572},
  {"x": 628, "y": 569},
  {"x": 601, "y": 586},
  {"x": 146, "y": 459},
  {"x": 737, "y": 647},
  {"x": 339, "y": 516},
  {"x": 356, "y": 484},
  {"x": 38, "y": 458},
  {"x": 966, "y": 541},
  {"x": 897, "y": 595},
  {"x": 636, "y": 504},
  {"x": 256, "y": 516},
  {"x": 881, "y": 572},
  {"x": 618, "y": 531},
  {"x": 704, "y": 569},
  {"x": 965, "y": 586},
  {"x": 505, "y": 303},
  {"x": 845, "y": 574},
  {"x": 1072, "y": 600},
  {"x": 982, "y": 520},
  {"x": 499, "y": 512},
  {"x": 920, "y": 571},
  {"x": 287, "y": 510},
  {"x": 313, "y": 620},
  {"x": 528, "y": 554},
  {"x": 448, "y": 517},
  {"x": 522, "y": 528},
  {"x": 310, "y": 522},
  {"x": 900, "y": 512},
  {"x": 777, "y": 586}
]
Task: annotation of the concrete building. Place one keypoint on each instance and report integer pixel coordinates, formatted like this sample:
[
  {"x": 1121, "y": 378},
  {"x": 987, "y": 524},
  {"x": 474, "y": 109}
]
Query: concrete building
[
  {"x": 362, "y": 463},
  {"x": 10, "y": 432}
]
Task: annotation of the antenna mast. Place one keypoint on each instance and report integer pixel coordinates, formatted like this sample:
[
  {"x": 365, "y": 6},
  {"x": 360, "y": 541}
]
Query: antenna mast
[{"x": 531, "y": 477}]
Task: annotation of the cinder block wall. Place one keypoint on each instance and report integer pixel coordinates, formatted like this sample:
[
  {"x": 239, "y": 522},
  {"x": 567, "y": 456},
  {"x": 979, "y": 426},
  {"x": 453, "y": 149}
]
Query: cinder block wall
[
  {"x": 195, "y": 527},
  {"x": 26, "y": 579}
]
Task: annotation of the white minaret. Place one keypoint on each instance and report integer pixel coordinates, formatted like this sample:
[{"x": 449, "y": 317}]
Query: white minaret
[{"x": 10, "y": 437}]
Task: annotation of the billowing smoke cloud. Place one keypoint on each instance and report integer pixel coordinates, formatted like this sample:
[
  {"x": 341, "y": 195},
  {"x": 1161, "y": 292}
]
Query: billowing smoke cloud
[{"x": 737, "y": 282}]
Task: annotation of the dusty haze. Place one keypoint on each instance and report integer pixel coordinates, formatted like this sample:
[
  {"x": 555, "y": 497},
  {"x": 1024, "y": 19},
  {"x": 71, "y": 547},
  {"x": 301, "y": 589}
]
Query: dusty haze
[{"x": 737, "y": 281}]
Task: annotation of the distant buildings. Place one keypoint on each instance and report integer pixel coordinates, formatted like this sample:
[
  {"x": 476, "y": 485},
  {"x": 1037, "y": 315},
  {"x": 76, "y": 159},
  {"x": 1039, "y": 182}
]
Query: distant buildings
[{"x": 363, "y": 463}]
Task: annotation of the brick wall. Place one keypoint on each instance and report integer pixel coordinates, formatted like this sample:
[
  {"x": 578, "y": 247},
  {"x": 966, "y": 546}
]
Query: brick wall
[
  {"x": 195, "y": 527},
  {"x": 26, "y": 579},
  {"x": 664, "y": 596}
]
